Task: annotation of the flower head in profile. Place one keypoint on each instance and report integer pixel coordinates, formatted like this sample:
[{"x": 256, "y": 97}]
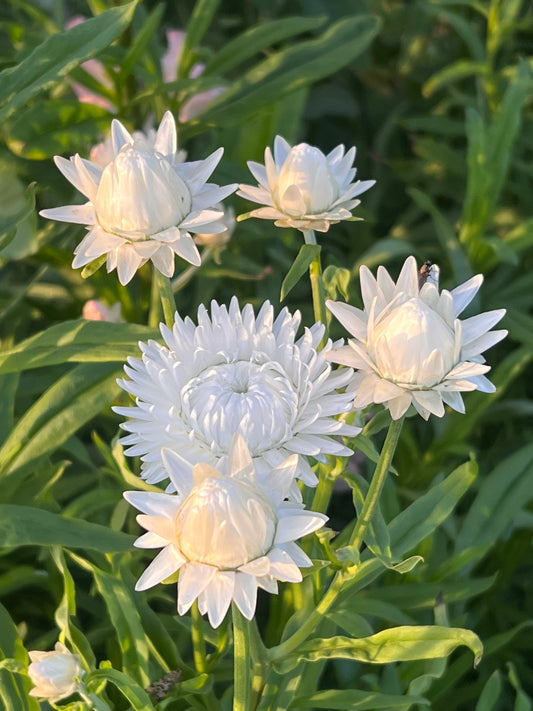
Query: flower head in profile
[
  {"x": 56, "y": 674},
  {"x": 409, "y": 346},
  {"x": 303, "y": 188},
  {"x": 235, "y": 372},
  {"x": 144, "y": 204},
  {"x": 225, "y": 533}
]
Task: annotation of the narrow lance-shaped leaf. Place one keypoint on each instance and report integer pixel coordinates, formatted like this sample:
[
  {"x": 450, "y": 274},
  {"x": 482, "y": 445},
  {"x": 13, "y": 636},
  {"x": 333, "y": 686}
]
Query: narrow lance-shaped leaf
[
  {"x": 398, "y": 644},
  {"x": 58, "y": 55},
  {"x": 307, "y": 253}
]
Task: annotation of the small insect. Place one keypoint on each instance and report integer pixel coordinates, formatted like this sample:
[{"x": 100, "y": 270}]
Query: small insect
[
  {"x": 161, "y": 687},
  {"x": 428, "y": 272}
]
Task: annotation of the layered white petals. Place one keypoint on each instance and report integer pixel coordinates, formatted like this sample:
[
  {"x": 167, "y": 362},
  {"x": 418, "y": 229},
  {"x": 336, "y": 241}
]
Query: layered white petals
[
  {"x": 56, "y": 675},
  {"x": 235, "y": 372},
  {"x": 303, "y": 188},
  {"x": 408, "y": 345},
  {"x": 143, "y": 201},
  {"x": 227, "y": 535}
]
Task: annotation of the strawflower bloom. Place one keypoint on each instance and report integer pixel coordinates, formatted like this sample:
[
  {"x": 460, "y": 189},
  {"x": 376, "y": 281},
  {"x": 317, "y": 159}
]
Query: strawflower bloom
[
  {"x": 303, "y": 188},
  {"x": 143, "y": 204},
  {"x": 102, "y": 153},
  {"x": 409, "y": 346},
  {"x": 235, "y": 372},
  {"x": 56, "y": 674},
  {"x": 225, "y": 533}
]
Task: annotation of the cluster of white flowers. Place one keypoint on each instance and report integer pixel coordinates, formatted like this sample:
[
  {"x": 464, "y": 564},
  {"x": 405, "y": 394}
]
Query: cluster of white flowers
[{"x": 230, "y": 410}]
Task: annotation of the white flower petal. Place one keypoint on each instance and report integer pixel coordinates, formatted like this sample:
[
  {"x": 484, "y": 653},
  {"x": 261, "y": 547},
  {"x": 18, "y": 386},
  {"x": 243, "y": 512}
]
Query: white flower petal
[
  {"x": 167, "y": 562},
  {"x": 296, "y": 524},
  {"x": 194, "y": 578},
  {"x": 219, "y": 594},
  {"x": 245, "y": 594},
  {"x": 283, "y": 567}
]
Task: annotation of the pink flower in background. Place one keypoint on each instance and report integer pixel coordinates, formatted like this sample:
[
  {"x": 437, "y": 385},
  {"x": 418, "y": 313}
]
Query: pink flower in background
[
  {"x": 95, "y": 310},
  {"x": 169, "y": 66},
  {"x": 97, "y": 70}
]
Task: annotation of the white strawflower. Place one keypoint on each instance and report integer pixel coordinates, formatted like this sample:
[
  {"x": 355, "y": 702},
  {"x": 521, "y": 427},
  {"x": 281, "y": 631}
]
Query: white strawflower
[
  {"x": 225, "y": 533},
  {"x": 304, "y": 188},
  {"x": 56, "y": 674},
  {"x": 219, "y": 240},
  {"x": 409, "y": 346},
  {"x": 143, "y": 204},
  {"x": 235, "y": 372},
  {"x": 103, "y": 153}
]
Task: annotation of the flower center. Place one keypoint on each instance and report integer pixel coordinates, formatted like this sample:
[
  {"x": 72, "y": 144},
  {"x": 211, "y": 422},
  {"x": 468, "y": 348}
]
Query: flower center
[
  {"x": 225, "y": 523},
  {"x": 413, "y": 346},
  {"x": 256, "y": 399},
  {"x": 306, "y": 184},
  {"x": 140, "y": 194}
]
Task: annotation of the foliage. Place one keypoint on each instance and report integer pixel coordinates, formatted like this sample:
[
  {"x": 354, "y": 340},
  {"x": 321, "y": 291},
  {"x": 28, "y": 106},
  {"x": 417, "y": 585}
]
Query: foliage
[{"x": 438, "y": 98}]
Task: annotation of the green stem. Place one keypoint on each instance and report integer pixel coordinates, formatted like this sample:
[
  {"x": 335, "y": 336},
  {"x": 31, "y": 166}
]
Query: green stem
[
  {"x": 198, "y": 641},
  {"x": 154, "y": 316},
  {"x": 317, "y": 285},
  {"x": 167, "y": 297},
  {"x": 242, "y": 676},
  {"x": 371, "y": 501},
  {"x": 376, "y": 485}
]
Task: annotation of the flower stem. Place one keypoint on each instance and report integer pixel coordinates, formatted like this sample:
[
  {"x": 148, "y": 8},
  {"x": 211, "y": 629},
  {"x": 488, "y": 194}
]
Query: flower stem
[
  {"x": 317, "y": 285},
  {"x": 198, "y": 641},
  {"x": 167, "y": 297},
  {"x": 242, "y": 676},
  {"x": 371, "y": 501},
  {"x": 376, "y": 485}
]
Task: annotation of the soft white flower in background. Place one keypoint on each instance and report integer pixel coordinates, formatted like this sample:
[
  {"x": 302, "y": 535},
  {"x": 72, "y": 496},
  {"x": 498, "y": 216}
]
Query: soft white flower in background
[
  {"x": 95, "y": 310},
  {"x": 143, "y": 204},
  {"x": 304, "y": 188},
  {"x": 225, "y": 533},
  {"x": 216, "y": 241},
  {"x": 409, "y": 346},
  {"x": 236, "y": 372},
  {"x": 170, "y": 64},
  {"x": 56, "y": 674}
]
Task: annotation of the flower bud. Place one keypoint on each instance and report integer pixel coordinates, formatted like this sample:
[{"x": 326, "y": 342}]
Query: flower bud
[
  {"x": 225, "y": 523},
  {"x": 56, "y": 674},
  {"x": 140, "y": 194}
]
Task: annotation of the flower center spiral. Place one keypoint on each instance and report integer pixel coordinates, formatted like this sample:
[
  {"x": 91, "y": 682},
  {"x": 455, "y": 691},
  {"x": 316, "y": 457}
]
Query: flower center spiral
[{"x": 256, "y": 399}]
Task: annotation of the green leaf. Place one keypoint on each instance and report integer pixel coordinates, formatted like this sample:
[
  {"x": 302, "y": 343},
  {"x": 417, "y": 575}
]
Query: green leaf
[
  {"x": 502, "y": 493},
  {"x": 29, "y": 526},
  {"x": 291, "y": 69},
  {"x": 54, "y": 127},
  {"x": 140, "y": 42},
  {"x": 14, "y": 688},
  {"x": 67, "y": 609},
  {"x": 135, "y": 694},
  {"x": 307, "y": 253},
  {"x": 398, "y": 644},
  {"x": 446, "y": 236},
  {"x": 67, "y": 405},
  {"x": 15, "y": 213},
  {"x": 256, "y": 39},
  {"x": 127, "y": 623},
  {"x": 355, "y": 700},
  {"x": 201, "y": 18},
  {"x": 76, "y": 341},
  {"x": 423, "y": 516},
  {"x": 490, "y": 695},
  {"x": 58, "y": 55},
  {"x": 454, "y": 72}
]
